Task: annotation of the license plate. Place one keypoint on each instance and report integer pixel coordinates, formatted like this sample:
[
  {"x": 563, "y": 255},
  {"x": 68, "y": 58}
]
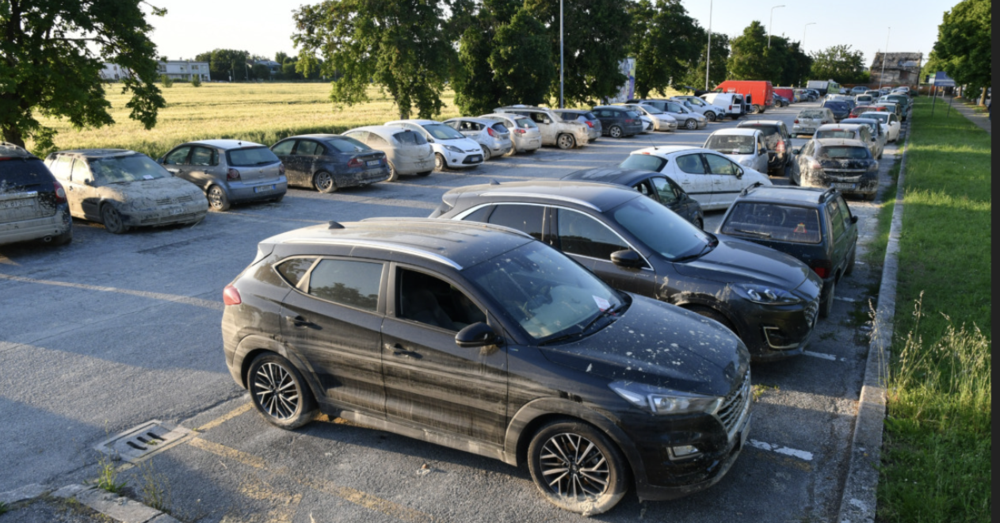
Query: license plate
[
  {"x": 263, "y": 188},
  {"x": 176, "y": 211},
  {"x": 374, "y": 163},
  {"x": 476, "y": 158},
  {"x": 844, "y": 185},
  {"x": 16, "y": 204}
]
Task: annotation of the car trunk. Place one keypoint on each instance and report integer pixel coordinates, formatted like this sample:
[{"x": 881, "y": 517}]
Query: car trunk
[
  {"x": 502, "y": 132},
  {"x": 25, "y": 190},
  {"x": 255, "y": 164}
]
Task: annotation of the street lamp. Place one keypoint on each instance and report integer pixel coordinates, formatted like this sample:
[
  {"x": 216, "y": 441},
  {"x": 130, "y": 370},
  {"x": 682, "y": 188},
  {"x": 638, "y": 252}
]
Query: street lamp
[
  {"x": 770, "y": 25},
  {"x": 885, "y": 55},
  {"x": 804, "y": 35},
  {"x": 708, "y": 51},
  {"x": 561, "y": 62}
]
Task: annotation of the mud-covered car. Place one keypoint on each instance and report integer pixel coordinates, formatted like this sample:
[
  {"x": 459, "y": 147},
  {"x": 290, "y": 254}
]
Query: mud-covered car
[
  {"x": 554, "y": 128},
  {"x": 327, "y": 162},
  {"x": 492, "y": 136},
  {"x": 778, "y": 141},
  {"x": 845, "y": 165},
  {"x": 587, "y": 117},
  {"x": 229, "y": 171},
  {"x": 523, "y": 132},
  {"x": 407, "y": 152},
  {"x": 808, "y": 120},
  {"x": 124, "y": 189},
  {"x": 32, "y": 203},
  {"x": 481, "y": 339},
  {"x": 741, "y": 145},
  {"x": 846, "y": 130},
  {"x": 814, "y": 225}
]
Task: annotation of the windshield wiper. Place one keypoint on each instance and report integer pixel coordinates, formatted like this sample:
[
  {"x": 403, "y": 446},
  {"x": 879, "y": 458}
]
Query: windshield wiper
[
  {"x": 754, "y": 233},
  {"x": 610, "y": 311},
  {"x": 704, "y": 250}
]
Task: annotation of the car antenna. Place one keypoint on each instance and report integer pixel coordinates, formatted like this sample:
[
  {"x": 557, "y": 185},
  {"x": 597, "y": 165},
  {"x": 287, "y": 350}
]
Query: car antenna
[
  {"x": 493, "y": 181},
  {"x": 335, "y": 225}
]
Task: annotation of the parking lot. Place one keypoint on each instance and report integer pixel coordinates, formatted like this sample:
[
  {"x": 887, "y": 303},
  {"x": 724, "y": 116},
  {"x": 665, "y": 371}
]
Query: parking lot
[{"x": 117, "y": 330}]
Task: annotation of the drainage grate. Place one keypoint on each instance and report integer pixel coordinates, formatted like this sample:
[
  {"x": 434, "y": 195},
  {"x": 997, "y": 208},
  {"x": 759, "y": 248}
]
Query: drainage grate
[{"x": 140, "y": 442}]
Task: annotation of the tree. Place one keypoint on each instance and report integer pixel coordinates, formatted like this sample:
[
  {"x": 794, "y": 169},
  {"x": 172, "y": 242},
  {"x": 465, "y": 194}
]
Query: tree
[
  {"x": 597, "y": 34},
  {"x": 964, "y": 46},
  {"x": 718, "y": 71},
  {"x": 52, "y": 53},
  {"x": 748, "y": 59},
  {"x": 841, "y": 64},
  {"x": 196, "y": 80},
  {"x": 399, "y": 45},
  {"x": 665, "y": 44},
  {"x": 477, "y": 91},
  {"x": 226, "y": 64}
]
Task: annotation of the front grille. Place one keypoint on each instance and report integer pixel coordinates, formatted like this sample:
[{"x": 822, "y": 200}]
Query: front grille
[
  {"x": 734, "y": 406},
  {"x": 186, "y": 199},
  {"x": 811, "y": 310},
  {"x": 164, "y": 201}
]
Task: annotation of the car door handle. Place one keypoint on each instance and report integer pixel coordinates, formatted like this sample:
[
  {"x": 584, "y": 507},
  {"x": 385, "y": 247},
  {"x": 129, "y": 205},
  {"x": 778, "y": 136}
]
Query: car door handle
[
  {"x": 302, "y": 323},
  {"x": 399, "y": 350}
]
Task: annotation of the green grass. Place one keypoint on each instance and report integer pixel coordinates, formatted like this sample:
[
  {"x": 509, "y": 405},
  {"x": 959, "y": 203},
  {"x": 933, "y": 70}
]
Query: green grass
[{"x": 937, "y": 451}]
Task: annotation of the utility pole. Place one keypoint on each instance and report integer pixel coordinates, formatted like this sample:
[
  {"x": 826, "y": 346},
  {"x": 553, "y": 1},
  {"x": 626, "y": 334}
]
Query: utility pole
[
  {"x": 885, "y": 55},
  {"x": 562, "y": 63},
  {"x": 770, "y": 25},
  {"x": 804, "y": 35},
  {"x": 708, "y": 51}
]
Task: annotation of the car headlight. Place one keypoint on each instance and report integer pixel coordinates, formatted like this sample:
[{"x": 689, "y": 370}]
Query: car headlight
[
  {"x": 873, "y": 167},
  {"x": 660, "y": 401},
  {"x": 765, "y": 295},
  {"x": 453, "y": 149}
]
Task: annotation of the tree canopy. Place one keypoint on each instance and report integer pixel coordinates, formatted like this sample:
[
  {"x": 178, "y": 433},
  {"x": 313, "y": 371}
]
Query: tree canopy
[
  {"x": 51, "y": 55},
  {"x": 964, "y": 47},
  {"x": 665, "y": 43},
  {"x": 841, "y": 64},
  {"x": 718, "y": 71},
  {"x": 748, "y": 54}
]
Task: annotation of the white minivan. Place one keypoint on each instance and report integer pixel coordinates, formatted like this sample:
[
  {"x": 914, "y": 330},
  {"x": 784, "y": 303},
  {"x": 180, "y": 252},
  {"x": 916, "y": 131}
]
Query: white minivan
[{"x": 731, "y": 102}]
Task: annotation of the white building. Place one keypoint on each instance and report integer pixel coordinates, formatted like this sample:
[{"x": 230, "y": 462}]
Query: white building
[
  {"x": 176, "y": 69},
  {"x": 114, "y": 72}
]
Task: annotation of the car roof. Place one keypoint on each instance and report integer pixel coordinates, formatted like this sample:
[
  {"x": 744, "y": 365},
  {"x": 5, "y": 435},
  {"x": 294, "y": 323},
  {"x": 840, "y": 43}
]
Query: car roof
[
  {"x": 615, "y": 175},
  {"x": 736, "y": 132},
  {"x": 381, "y": 130},
  {"x": 859, "y": 120},
  {"x": 611, "y": 107},
  {"x": 750, "y": 123},
  {"x": 225, "y": 144},
  {"x": 785, "y": 193},
  {"x": 845, "y": 126},
  {"x": 838, "y": 142},
  {"x": 316, "y": 136},
  {"x": 509, "y": 116},
  {"x": 597, "y": 196},
  {"x": 672, "y": 149},
  {"x": 413, "y": 121},
  {"x": 476, "y": 119},
  {"x": 524, "y": 108},
  {"x": 96, "y": 153},
  {"x": 457, "y": 244},
  {"x": 9, "y": 150}
]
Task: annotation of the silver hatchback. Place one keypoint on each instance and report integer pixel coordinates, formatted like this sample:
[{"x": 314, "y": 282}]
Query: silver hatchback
[
  {"x": 492, "y": 136},
  {"x": 229, "y": 171}
]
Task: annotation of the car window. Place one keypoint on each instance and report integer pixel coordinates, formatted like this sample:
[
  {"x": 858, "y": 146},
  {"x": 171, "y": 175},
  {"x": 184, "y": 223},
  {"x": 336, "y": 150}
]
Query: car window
[
  {"x": 786, "y": 223},
  {"x": 62, "y": 167},
  {"x": 178, "y": 157},
  {"x": 18, "y": 174},
  {"x": 846, "y": 153},
  {"x": 539, "y": 117},
  {"x": 721, "y": 165},
  {"x": 691, "y": 164},
  {"x": 409, "y": 138},
  {"x": 845, "y": 211},
  {"x": 672, "y": 236},
  {"x": 358, "y": 135},
  {"x": 583, "y": 235},
  {"x": 81, "y": 171},
  {"x": 442, "y": 132},
  {"x": 479, "y": 215},
  {"x": 836, "y": 220},
  {"x": 295, "y": 269},
  {"x": 500, "y": 128},
  {"x": 525, "y": 123},
  {"x": 525, "y": 218},
  {"x": 344, "y": 145},
  {"x": 643, "y": 162},
  {"x": 432, "y": 301},
  {"x": 731, "y": 144},
  {"x": 375, "y": 140},
  {"x": 835, "y": 133},
  {"x": 284, "y": 148},
  {"x": 347, "y": 282},
  {"x": 307, "y": 148},
  {"x": 203, "y": 156},
  {"x": 665, "y": 191},
  {"x": 251, "y": 156}
]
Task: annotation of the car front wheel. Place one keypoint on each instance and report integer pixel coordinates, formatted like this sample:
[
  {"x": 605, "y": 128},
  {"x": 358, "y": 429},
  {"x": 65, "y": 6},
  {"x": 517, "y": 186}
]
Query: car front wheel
[
  {"x": 577, "y": 468},
  {"x": 112, "y": 219},
  {"x": 323, "y": 181},
  {"x": 279, "y": 392},
  {"x": 566, "y": 141}
]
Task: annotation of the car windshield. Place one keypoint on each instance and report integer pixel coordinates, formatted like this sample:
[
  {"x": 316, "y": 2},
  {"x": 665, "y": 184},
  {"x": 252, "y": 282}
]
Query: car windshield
[
  {"x": 409, "y": 138},
  {"x": 251, "y": 156},
  {"x": 838, "y": 133},
  {"x": 857, "y": 121},
  {"x": 835, "y": 105},
  {"x": 696, "y": 101},
  {"x": 661, "y": 229},
  {"x": 347, "y": 145},
  {"x": 812, "y": 114},
  {"x": 846, "y": 153},
  {"x": 731, "y": 144},
  {"x": 570, "y": 116},
  {"x": 546, "y": 293},
  {"x": 442, "y": 132},
  {"x": 770, "y": 132},
  {"x": 643, "y": 162},
  {"x": 125, "y": 169}
]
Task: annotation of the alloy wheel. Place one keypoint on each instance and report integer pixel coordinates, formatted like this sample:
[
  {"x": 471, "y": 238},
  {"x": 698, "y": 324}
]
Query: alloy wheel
[
  {"x": 324, "y": 182},
  {"x": 574, "y": 467},
  {"x": 615, "y": 132},
  {"x": 276, "y": 391},
  {"x": 112, "y": 220},
  {"x": 691, "y": 125},
  {"x": 565, "y": 141}
]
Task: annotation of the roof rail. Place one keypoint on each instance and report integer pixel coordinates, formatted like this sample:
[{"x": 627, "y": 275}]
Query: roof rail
[{"x": 747, "y": 190}]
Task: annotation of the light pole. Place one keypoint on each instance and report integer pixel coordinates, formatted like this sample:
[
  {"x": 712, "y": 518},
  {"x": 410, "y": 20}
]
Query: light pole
[
  {"x": 770, "y": 25},
  {"x": 804, "y": 35},
  {"x": 885, "y": 55},
  {"x": 708, "y": 50},
  {"x": 561, "y": 61}
]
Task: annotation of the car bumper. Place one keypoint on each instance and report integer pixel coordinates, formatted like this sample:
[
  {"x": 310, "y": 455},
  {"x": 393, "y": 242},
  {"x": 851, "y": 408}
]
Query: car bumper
[
  {"x": 775, "y": 332},
  {"x": 802, "y": 129},
  {"x": 167, "y": 215},
  {"x": 593, "y": 134},
  {"x": 415, "y": 166},
  {"x": 463, "y": 161},
  {"x": 366, "y": 177},
  {"x": 528, "y": 144},
  {"x": 866, "y": 184},
  {"x": 632, "y": 130},
  {"x": 26, "y": 230},
  {"x": 665, "y": 126},
  {"x": 239, "y": 192}
]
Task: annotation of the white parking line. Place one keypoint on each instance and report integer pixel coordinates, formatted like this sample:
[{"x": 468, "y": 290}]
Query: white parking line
[
  {"x": 820, "y": 355},
  {"x": 845, "y": 298},
  {"x": 800, "y": 454},
  {"x": 186, "y": 300}
]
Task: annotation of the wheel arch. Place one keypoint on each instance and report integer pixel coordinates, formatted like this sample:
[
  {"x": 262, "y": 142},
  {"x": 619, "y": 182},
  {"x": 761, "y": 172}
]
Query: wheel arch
[{"x": 254, "y": 346}]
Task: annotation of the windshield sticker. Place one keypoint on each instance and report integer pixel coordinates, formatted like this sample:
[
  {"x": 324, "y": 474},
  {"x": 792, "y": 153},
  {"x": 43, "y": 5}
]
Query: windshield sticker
[
  {"x": 602, "y": 303},
  {"x": 147, "y": 177}
]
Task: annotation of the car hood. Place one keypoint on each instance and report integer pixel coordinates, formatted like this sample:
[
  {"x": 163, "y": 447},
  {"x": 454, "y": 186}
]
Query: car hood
[
  {"x": 739, "y": 261},
  {"x": 149, "y": 194},
  {"x": 658, "y": 344}
]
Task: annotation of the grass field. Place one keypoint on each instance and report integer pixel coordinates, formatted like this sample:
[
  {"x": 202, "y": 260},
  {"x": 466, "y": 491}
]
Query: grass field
[{"x": 937, "y": 455}]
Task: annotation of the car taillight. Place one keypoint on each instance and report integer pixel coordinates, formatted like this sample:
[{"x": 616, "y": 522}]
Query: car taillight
[
  {"x": 796, "y": 120},
  {"x": 520, "y": 131},
  {"x": 60, "y": 192},
  {"x": 822, "y": 272},
  {"x": 232, "y": 174},
  {"x": 590, "y": 124},
  {"x": 491, "y": 132},
  {"x": 355, "y": 162},
  {"x": 780, "y": 148},
  {"x": 231, "y": 296},
  {"x": 730, "y": 108}
]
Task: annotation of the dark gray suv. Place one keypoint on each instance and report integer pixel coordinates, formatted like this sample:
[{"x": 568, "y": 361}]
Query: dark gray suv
[{"x": 618, "y": 122}]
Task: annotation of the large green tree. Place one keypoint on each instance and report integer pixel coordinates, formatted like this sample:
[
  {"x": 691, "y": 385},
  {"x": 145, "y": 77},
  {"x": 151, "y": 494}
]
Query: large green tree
[
  {"x": 965, "y": 44},
  {"x": 227, "y": 65},
  {"x": 597, "y": 35},
  {"x": 841, "y": 64},
  {"x": 718, "y": 70},
  {"x": 399, "y": 45},
  {"x": 51, "y": 55},
  {"x": 665, "y": 43},
  {"x": 748, "y": 57}
]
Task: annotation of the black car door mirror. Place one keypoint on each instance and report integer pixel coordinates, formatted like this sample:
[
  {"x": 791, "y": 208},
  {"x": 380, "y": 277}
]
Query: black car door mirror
[
  {"x": 627, "y": 258},
  {"x": 88, "y": 182},
  {"x": 797, "y": 151},
  {"x": 854, "y": 219},
  {"x": 476, "y": 335},
  {"x": 739, "y": 173}
]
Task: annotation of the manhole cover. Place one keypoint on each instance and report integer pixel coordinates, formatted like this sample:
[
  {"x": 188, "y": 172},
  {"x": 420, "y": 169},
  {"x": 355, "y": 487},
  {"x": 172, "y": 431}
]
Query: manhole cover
[{"x": 140, "y": 442}]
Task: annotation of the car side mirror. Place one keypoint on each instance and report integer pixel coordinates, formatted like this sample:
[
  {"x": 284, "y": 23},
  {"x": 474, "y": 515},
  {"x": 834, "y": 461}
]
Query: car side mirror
[
  {"x": 739, "y": 173},
  {"x": 854, "y": 219},
  {"x": 88, "y": 182},
  {"x": 476, "y": 335},
  {"x": 797, "y": 151},
  {"x": 430, "y": 140},
  {"x": 546, "y": 121},
  {"x": 627, "y": 258}
]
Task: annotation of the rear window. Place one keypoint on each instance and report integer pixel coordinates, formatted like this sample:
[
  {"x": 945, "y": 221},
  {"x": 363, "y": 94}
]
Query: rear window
[
  {"x": 812, "y": 114},
  {"x": 251, "y": 156},
  {"x": 844, "y": 152},
  {"x": 410, "y": 138},
  {"x": 770, "y": 221},
  {"x": 881, "y": 117},
  {"x": 730, "y": 144},
  {"x": 500, "y": 128},
  {"x": 570, "y": 117},
  {"x": 766, "y": 130},
  {"x": 525, "y": 123},
  {"x": 835, "y": 105},
  {"x": 643, "y": 162},
  {"x": 293, "y": 270},
  {"x": 347, "y": 145},
  {"x": 847, "y": 135},
  {"x": 16, "y": 173}
]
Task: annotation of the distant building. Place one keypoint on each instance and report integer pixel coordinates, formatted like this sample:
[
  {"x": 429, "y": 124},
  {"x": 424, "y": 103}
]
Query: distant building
[
  {"x": 114, "y": 72},
  {"x": 900, "y": 68},
  {"x": 176, "y": 69}
]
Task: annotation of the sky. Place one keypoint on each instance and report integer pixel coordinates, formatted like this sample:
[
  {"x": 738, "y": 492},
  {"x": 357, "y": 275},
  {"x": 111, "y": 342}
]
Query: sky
[{"x": 265, "y": 27}]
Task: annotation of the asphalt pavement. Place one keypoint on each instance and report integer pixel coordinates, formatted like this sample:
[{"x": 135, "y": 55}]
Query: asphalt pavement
[{"x": 114, "y": 331}]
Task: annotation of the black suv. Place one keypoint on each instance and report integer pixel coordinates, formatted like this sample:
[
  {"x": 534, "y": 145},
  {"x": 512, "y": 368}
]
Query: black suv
[
  {"x": 653, "y": 184},
  {"x": 778, "y": 141},
  {"x": 479, "y": 338},
  {"x": 618, "y": 122},
  {"x": 32, "y": 203},
  {"x": 769, "y": 299},
  {"x": 814, "y": 225}
]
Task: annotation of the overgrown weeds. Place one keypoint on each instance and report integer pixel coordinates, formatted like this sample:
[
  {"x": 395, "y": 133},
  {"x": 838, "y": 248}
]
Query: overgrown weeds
[
  {"x": 107, "y": 476},
  {"x": 155, "y": 489}
]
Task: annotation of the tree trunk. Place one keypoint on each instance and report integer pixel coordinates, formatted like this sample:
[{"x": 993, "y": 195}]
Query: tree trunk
[
  {"x": 982, "y": 98},
  {"x": 13, "y": 136}
]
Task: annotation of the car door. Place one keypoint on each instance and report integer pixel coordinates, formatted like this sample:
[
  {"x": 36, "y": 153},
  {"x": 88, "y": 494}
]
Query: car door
[
  {"x": 176, "y": 162},
  {"x": 200, "y": 163},
  {"x": 546, "y": 126},
  {"x": 429, "y": 380},
  {"x": 726, "y": 178},
  {"x": 333, "y": 320},
  {"x": 306, "y": 155},
  {"x": 665, "y": 192},
  {"x": 590, "y": 241},
  {"x": 760, "y": 162},
  {"x": 85, "y": 187},
  {"x": 283, "y": 150},
  {"x": 62, "y": 169},
  {"x": 690, "y": 172}
]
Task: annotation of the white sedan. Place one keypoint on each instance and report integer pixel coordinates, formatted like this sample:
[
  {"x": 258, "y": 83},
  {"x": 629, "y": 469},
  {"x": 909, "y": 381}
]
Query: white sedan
[
  {"x": 713, "y": 180},
  {"x": 744, "y": 146}
]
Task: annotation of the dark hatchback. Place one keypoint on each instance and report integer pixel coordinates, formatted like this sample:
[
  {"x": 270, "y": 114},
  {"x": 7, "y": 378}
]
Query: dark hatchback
[
  {"x": 653, "y": 184},
  {"x": 769, "y": 299},
  {"x": 779, "y": 143},
  {"x": 33, "y": 204},
  {"x": 845, "y": 165},
  {"x": 479, "y": 338},
  {"x": 618, "y": 122},
  {"x": 840, "y": 110},
  {"x": 813, "y": 225},
  {"x": 327, "y": 162}
]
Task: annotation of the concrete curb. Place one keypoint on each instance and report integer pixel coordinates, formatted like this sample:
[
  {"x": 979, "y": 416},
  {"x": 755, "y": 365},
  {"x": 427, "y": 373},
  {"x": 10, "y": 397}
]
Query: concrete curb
[
  {"x": 859, "y": 500},
  {"x": 113, "y": 506}
]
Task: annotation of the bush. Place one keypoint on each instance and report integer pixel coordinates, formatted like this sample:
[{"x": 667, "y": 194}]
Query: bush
[
  {"x": 166, "y": 80},
  {"x": 195, "y": 80}
]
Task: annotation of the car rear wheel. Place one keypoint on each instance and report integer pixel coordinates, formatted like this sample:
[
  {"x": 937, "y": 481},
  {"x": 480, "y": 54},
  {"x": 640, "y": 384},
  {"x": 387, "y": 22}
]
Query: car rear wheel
[
  {"x": 486, "y": 153},
  {"x": 615, "y": 132},
  {"x": 112, "y": 219},
  {"x": 713, "y": 315},
  {"x": 217, "y": 198},
  {"x": 439, "y": 162},
  {"x": 566, "y": 141},
  {"x": 691, "y": 124},
  {"x": 577, "y": 468},
  {"x": 826, "y": 308},
  {"x": 393, "y": 173},
  {"x": 710, "y": 115},
  {"x": 279, "y": 392},
  {"x": 757, "y": 109},
  {"x": 323, "y": 182}
]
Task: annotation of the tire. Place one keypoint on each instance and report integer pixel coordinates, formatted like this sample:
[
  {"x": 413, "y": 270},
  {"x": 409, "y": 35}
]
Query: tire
[
  {"x": 112, "y": 220},
  {"x": 849, "y": 270},
  {"x": 757, "y": 109},
  {"x": 565, "y": 141},
  {"x": 711, "y": 116},
  {"x": 324, "y": 182},
  {"x": 486, "y": 153},
  {"x": 826, "y": 306},
  {"x": 270, "y": 374},
  {"x": 589, "y": 458},
  {"x": 691, "y": 125},
  {"x": 714, "y": 315},
  {"x": 439, "y": 162},
  {"x": 393, "y": 173},
  {"x": 217, "y": 199},
  {"x": 616, "y": 132}
]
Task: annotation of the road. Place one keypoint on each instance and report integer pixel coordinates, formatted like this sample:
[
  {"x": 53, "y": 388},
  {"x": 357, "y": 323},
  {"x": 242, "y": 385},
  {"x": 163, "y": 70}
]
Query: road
[{"x": 117, "y": 330}]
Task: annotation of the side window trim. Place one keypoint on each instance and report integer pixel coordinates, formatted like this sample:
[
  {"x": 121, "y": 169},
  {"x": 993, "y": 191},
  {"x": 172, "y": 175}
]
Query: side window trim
[
  {"x": 631, "y": 247},
  {"x": 391, "y": 287}
]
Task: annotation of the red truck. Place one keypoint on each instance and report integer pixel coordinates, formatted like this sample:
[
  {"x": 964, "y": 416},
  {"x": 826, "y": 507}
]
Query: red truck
[{"x": 761, "y": 93}]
